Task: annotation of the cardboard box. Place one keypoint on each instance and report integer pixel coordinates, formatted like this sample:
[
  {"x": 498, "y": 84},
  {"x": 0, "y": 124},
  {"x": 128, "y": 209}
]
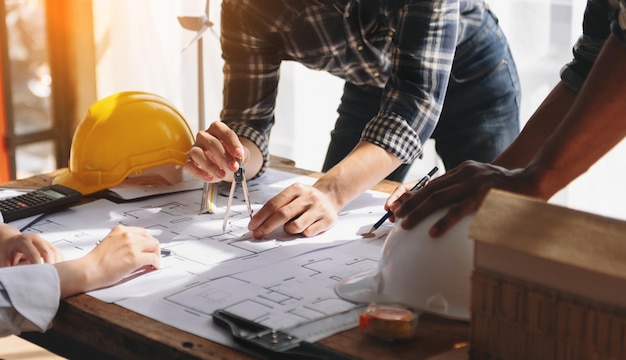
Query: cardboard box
[{"x": 548, "y": 283}]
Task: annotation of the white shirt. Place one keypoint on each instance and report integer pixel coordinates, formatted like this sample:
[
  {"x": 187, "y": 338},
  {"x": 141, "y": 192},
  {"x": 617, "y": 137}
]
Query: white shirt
[{"x": 29, "y": 298}]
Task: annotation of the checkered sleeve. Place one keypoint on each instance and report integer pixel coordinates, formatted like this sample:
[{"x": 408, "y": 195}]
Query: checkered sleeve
[
  {"x": 394, "y": 134},
  {"x": 251, "y": 74},
  {"x": 424, "y": 47}
]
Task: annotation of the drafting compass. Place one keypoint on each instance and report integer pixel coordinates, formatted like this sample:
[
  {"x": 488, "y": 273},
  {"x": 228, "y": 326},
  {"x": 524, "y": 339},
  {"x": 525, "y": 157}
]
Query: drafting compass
[{"x": 238, "y": 177}]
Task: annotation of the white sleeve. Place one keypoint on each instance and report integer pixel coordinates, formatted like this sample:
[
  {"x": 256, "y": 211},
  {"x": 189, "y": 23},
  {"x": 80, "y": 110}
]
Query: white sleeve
[{"x": 29, "y": 298}]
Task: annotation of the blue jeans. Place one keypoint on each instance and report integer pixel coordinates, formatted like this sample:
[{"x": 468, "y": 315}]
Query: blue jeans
[{"x": 480, "y": 115}]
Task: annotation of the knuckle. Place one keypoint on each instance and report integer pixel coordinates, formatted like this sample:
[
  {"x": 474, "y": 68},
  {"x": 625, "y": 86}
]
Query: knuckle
[
  {"x": 308, "y": 232},
  {"x": 284, "y": 215},
  {"x": 271, "y": 207},
  {"x": 292, "y": 228},
  {"x": 215, "y": 125}
]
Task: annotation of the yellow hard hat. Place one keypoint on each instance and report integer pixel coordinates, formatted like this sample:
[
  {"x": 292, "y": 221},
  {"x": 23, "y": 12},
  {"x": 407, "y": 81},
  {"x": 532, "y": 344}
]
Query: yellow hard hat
[{"x": 124, "y": 134}]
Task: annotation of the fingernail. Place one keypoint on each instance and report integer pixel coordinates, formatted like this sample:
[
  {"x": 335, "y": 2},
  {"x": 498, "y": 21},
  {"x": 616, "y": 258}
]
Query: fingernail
[
  {"x": 234, "y": 165},
  {"x": 434, "y": 231},
  {"x": 220, "y": 173}
]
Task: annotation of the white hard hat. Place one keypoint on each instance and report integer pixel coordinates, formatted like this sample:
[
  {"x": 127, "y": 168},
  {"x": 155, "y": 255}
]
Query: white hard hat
[{"x": 427, "y": 274}]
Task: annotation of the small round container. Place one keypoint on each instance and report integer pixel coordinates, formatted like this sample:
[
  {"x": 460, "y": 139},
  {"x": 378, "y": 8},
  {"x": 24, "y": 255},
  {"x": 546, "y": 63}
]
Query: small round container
[{"x": 390, "y": 322}]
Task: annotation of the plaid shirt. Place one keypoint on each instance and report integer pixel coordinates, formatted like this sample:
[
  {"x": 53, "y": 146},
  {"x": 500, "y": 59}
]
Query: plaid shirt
[{"x": 406, "y": 47}]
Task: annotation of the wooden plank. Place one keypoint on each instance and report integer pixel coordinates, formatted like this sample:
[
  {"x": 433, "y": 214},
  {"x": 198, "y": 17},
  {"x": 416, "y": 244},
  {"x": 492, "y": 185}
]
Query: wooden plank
[{"x": 559, "y": 234}]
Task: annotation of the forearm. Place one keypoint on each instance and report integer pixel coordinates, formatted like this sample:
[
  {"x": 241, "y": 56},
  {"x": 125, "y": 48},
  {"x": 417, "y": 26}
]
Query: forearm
[
  {"x": 75, "y": 277},
  {"x": 251, "y": 76},
  {"x": 125, "y": 250},
  {"x": 364, "y": 167},
  {"x": 593, "y": 126}
]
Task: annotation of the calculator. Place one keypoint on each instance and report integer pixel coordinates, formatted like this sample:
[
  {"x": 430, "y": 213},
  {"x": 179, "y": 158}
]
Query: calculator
[{"x": 44, "y": 200}]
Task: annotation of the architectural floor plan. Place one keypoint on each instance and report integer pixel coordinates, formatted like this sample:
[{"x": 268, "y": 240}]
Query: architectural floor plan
[{"x": 280, "y": 281}]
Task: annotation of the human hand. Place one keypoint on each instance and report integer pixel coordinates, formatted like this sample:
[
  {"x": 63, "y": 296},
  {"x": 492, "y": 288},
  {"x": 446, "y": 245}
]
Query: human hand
[
  {"x": 216, "y": 150},
  {"x": 301, "y": 209},
  {"x": 462, "y": 189},
  {"x": 124, "y": 250},
  {"x": 399, "y": 195},
  {"x": 19, "y": 248}
]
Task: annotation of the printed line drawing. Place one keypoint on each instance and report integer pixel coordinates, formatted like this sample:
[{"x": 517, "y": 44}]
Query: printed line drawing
[{"x": 280, "y": 281}]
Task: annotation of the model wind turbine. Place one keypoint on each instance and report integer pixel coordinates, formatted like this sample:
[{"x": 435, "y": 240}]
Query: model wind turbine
[{"x": 201, "y": 24}]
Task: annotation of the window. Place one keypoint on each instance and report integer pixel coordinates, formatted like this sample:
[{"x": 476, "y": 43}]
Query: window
[
  {"x": 27, "y": 89},
  {"x": 39, "y": 82}
]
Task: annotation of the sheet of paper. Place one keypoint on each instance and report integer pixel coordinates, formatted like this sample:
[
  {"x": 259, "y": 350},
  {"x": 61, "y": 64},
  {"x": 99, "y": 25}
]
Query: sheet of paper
[
  {"x": 144, "y": 186},
  {"x": 9, "y": 193},
  {"x": 279, "y": 281}
]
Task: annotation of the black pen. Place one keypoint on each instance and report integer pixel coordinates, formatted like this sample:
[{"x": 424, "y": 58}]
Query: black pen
[
  {"x": 417, "y": 186},
  {"x": 33, "y": 222}
]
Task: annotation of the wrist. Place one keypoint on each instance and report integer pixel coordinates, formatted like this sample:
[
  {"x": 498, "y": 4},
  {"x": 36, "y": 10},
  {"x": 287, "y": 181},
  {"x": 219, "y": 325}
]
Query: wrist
[
  {"x": 538, "y": 182},
  {"x": 74, "y": 277},
  {"x": 333, "y": 191}
]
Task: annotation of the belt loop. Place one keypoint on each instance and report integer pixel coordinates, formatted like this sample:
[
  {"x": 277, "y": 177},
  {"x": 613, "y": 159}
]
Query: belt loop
[{"x": 488, "y": 10}]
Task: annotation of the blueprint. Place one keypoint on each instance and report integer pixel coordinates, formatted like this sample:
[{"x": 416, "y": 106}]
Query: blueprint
[{"x": 280, "y": 281}]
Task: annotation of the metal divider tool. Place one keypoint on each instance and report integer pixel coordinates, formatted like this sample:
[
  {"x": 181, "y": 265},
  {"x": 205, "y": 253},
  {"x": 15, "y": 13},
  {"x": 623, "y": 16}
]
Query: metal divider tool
[{"x": 239, "y": 177}]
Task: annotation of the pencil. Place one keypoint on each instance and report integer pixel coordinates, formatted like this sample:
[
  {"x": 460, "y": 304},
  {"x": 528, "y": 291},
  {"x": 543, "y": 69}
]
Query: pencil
[{"x": 417, "y": 186}]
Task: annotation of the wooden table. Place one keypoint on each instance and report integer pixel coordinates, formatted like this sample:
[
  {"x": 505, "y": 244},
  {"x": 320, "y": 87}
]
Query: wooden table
[{"x": 87, "y": 328}]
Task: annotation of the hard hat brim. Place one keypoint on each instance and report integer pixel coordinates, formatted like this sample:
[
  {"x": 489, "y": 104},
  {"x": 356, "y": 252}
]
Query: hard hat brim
[
  {"x": 362, "y": 288},
  {"x": 359, "y": 288},
  {"x": 66, "y": 179}
]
